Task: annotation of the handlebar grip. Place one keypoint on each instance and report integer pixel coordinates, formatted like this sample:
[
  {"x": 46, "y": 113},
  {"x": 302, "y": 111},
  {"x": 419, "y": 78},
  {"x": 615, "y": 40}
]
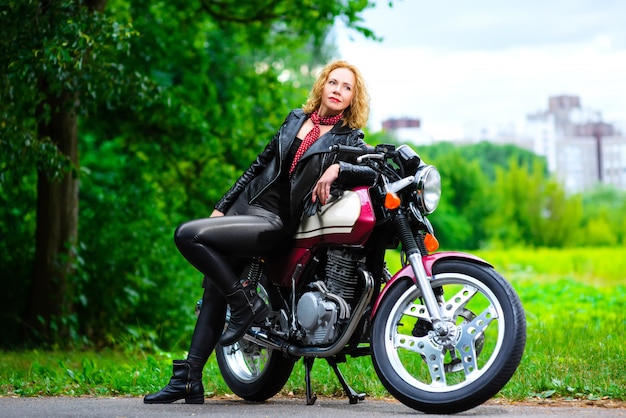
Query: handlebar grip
[{"x": 350, "y": 154}]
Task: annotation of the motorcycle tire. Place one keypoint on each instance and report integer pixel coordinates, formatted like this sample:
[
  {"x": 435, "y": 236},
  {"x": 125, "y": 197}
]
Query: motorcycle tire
[
  {"x": 253, "y": 372},
  {"x": 463, "y": 369}
]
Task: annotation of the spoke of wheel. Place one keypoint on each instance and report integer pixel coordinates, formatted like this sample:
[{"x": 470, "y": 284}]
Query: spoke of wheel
[
  {"x": 433, "y": 355},
  {"x": 458, "y": 301},
  {"x": 417, "y": 311},
  {"x": 251, "y": 364},
  {"x": 255, "y": 360},
  {"x": 470, "y": 333}
]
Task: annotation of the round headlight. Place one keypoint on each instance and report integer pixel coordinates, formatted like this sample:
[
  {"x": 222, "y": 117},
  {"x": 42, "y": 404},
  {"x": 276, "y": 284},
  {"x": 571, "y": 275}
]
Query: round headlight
[{"x": 428, "y": 183}]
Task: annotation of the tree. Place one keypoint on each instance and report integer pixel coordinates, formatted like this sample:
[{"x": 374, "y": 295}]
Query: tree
[
  {"x": 464, "y": 217},
  {"x": 459, "y": 221},
  {"x": 502, "y": 195},
  {"x": 531, "y": 210},
  {"x": 50, "y": 70},
  {"x": 603, "y": 222},
  {"x": 197, "y": 97}
]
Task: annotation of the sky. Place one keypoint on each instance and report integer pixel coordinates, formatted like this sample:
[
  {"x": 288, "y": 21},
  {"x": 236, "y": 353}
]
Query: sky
[{"x": 459, "y": 65}]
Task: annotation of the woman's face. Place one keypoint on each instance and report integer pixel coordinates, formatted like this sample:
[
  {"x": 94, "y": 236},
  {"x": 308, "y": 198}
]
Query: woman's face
[{"x": 338, "y": 92}]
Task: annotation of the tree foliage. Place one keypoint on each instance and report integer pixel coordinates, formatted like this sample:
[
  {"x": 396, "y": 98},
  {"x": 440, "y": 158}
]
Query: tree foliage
[
  {"x": 48, "y": 49},
  {"x": 502, "y": 196},
  {"x": 170, "y": 101}
]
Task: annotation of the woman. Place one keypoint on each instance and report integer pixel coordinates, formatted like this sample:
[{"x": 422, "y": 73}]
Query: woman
[{"x": 263, "y": 209}]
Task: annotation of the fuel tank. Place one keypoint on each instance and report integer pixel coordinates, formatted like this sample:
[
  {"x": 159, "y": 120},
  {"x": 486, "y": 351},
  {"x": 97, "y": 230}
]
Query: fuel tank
[{"x": 348, "y": 220}]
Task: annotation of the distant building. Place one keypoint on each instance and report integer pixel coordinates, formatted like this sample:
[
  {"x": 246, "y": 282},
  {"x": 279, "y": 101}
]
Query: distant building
[
  {"x": 407, "y": 130},
  {"x": 579, "y": 147},
  {"x": 394, "y": 124}
]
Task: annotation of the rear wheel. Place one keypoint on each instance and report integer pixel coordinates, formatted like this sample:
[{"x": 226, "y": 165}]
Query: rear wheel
[
  {"x": 253, "y": 372},
  {"x": 483, "y": 345}
]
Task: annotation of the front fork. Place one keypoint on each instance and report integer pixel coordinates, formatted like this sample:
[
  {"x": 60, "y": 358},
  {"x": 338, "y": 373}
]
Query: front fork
[{"x": 422, "y": 281}]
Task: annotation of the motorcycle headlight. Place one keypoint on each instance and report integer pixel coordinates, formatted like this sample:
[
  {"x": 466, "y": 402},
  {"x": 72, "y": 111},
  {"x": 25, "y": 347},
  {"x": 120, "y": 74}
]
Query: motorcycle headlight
[{"x": 428, "y": 183}]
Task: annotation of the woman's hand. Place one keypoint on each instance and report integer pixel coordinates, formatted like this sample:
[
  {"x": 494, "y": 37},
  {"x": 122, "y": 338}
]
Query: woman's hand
[
  {"x": 216, "y": 213},
  {"x": 321, "y": 191}
]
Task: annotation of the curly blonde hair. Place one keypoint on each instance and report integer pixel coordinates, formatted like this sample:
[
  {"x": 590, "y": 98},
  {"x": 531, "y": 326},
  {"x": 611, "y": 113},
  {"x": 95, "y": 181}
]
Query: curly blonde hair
[{"x": 357, "y": 113}]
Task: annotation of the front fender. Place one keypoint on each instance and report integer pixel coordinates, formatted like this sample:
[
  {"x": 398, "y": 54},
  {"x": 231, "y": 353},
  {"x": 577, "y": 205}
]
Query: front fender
[{"x": 428, "y": 262}]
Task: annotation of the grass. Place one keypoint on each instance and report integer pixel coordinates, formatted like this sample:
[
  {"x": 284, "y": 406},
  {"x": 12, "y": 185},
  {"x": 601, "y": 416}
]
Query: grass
[
  {"x": 575, "y": 343},
  {"x": 600, "y": 267},
  {"x": 575, "y": 303}
]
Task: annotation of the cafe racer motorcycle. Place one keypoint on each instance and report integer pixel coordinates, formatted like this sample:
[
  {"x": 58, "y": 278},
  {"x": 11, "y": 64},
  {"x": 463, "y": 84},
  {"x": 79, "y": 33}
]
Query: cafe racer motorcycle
[{"x": 445, "y": 332}]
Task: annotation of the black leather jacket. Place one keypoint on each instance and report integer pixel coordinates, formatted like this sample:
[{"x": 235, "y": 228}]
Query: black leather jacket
[{"x": 270, "y": 163}]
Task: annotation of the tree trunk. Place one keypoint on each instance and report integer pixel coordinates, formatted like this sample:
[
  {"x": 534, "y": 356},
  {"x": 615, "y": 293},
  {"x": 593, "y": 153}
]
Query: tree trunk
[
  {"x": 50, "y": 303},
  {"x": 57, "y": 228}
]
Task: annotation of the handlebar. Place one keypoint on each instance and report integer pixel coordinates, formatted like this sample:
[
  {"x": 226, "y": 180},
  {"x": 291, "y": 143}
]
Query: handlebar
[{"x": 359, "y": 154}]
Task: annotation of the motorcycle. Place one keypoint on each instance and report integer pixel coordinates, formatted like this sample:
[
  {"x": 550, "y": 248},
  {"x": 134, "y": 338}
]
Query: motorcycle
[{"x": 445, "y": 333}]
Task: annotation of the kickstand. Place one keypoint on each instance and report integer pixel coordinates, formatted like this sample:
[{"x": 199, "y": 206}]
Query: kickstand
[
  {"x": 351, "y": 393},
  {"x": 308, "y": 365}
]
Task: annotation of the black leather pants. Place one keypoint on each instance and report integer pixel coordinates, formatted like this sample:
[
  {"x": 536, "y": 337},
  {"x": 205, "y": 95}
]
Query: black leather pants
[
  {"x": 209, "y": 325},
  {"x": 212, "y": 246}
]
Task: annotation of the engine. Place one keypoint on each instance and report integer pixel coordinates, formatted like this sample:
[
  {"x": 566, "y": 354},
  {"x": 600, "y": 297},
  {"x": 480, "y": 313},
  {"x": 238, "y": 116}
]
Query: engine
[{"x": 327, "y": 305}]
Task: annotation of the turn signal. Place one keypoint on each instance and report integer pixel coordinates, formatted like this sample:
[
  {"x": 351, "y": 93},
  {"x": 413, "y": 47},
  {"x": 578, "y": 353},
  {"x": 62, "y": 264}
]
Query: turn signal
[
  {"x": 392, "y": 201},
  {"x": 431, "y": 243}
]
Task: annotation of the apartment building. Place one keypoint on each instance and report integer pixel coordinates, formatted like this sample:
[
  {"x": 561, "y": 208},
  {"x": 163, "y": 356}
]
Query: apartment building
[{"x": 580, "y": 148}]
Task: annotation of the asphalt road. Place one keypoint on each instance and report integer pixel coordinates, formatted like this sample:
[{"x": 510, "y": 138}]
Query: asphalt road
[{"x": 51, "y": 407}]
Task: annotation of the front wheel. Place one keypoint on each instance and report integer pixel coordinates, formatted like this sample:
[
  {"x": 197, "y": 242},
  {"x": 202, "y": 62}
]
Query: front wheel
[
  {"x": 469, "y": 363},
  {"x": 253, "y": 372}
]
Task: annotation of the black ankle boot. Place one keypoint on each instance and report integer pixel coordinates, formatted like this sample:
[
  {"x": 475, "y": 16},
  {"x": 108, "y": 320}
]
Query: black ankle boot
[
  {"x": 186, "y": 383},
  {"x": 246, "y": 307}
]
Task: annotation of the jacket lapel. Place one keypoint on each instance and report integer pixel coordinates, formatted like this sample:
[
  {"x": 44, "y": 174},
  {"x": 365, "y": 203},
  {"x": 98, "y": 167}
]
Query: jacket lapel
[{"x": 289, "y": 132}]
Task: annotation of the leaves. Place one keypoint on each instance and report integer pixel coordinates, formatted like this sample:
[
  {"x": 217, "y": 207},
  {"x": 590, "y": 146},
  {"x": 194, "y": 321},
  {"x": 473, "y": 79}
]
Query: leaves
[
  {"x": 173, "y": 101},
  {"x": 60, "y": 49}
]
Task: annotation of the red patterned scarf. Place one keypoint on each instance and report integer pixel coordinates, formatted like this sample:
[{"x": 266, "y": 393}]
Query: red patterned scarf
[{"x": 313, "y": 135}]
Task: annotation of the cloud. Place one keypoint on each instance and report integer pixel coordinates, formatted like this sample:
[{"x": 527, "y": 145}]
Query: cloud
[
  {"x": 459, "y": 63},
  {"x": 497, "y": 25}
]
